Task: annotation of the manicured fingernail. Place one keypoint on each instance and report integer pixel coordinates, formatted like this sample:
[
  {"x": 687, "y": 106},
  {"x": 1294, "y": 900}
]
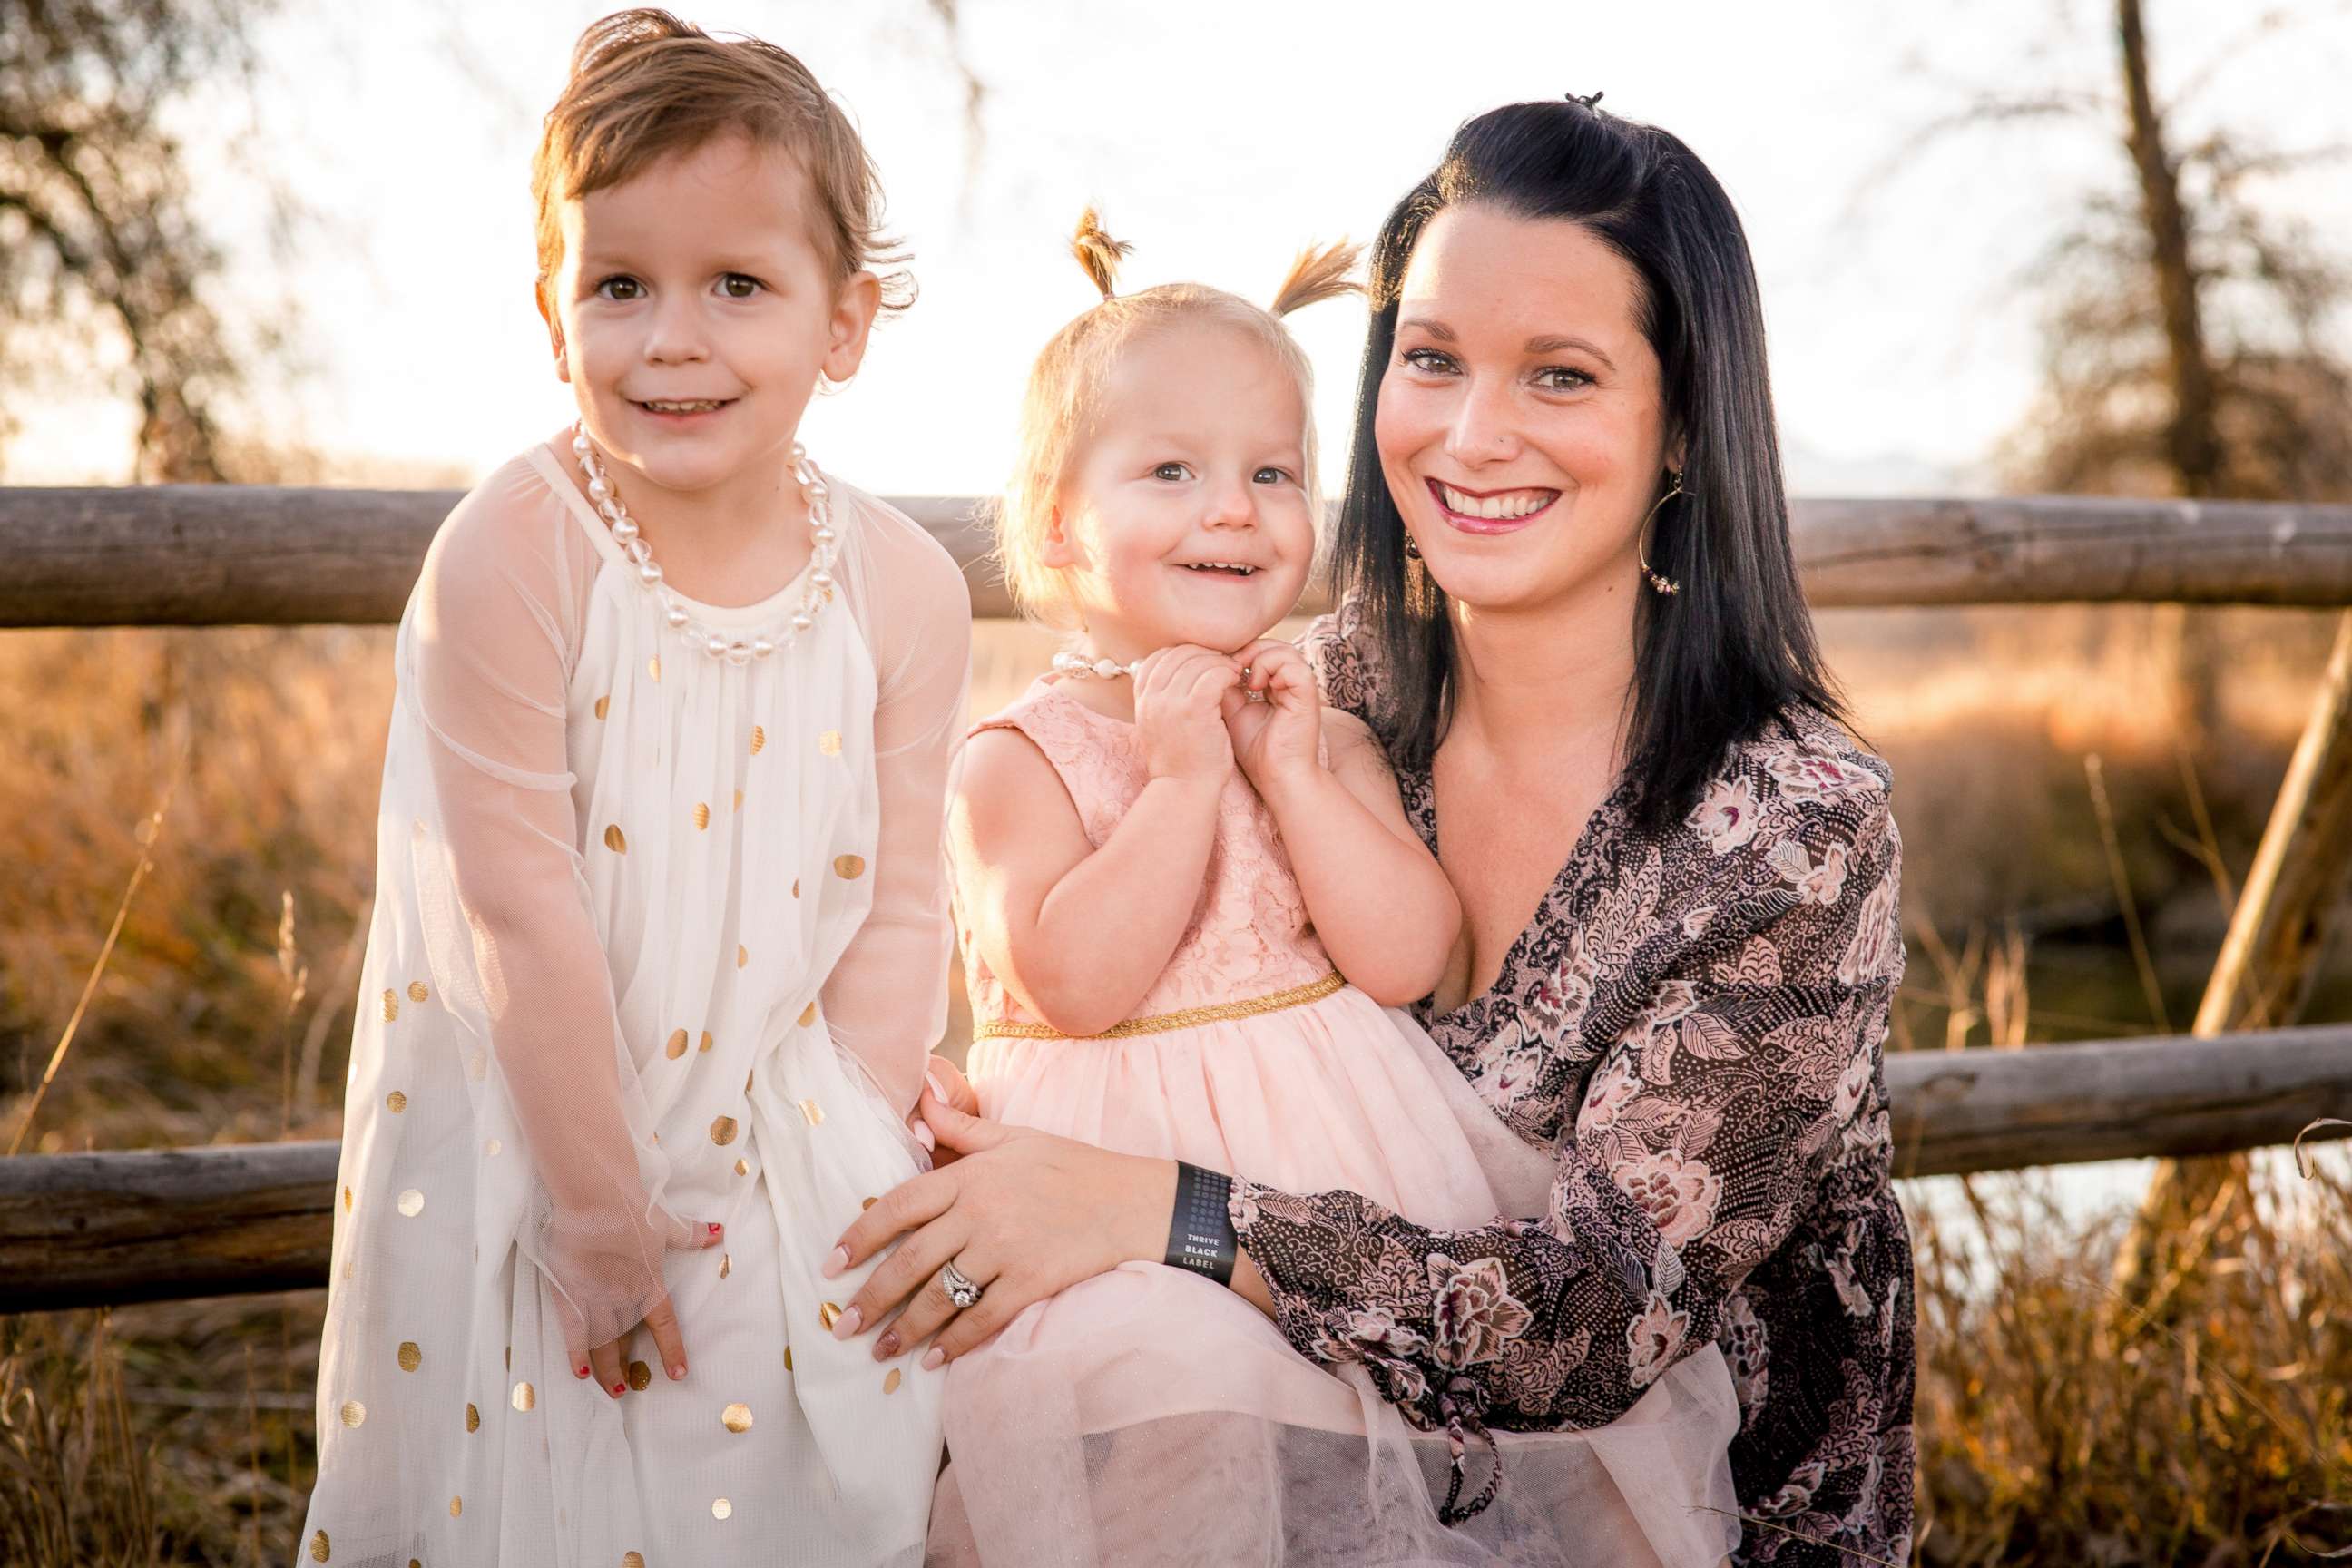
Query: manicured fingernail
[
  {"x": 847, "y": 1324},
  {"x": 938, "y": 1085},
  {"x": 583, "y": 1373},
  {"x": 677, "y": 1369},
  {"x": 714, "y": 1227},
  {"x": 925, "y": 1136},
  {"x": 934, "y": 1359},
  {"x": 887, "y": 1346},
  {"x": 619, "y": 1389},
  {"x": 835, "y": 1262}
]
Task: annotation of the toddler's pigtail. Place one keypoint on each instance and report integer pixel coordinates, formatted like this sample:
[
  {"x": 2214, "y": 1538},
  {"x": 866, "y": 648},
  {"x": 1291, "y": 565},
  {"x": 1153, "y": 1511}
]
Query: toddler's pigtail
[
  {"x": 1098, "y": 252},
  {"x": 1318, "y": 275}
]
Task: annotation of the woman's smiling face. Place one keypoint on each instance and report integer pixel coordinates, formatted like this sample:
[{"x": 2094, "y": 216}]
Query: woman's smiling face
[{"x": 1521, "y": 425}]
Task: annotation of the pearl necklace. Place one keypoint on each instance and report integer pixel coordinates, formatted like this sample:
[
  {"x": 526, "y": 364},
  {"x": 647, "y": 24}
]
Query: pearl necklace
[
  {"x": 734, "y": 650},
  {"x": 1078, "y": 667}
]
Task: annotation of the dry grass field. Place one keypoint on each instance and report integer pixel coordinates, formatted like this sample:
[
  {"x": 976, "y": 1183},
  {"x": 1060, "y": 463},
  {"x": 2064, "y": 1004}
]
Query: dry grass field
[{"x": 181, "y": 1433}]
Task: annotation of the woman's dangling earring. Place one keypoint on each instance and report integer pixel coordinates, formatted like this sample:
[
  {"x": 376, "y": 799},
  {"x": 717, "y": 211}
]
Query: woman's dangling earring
[
  {"x": 1666, "y": 586},
  {"x": 1411, "y": 548}
]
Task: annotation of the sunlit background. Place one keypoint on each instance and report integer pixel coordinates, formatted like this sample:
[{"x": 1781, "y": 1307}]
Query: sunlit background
[{"x": 1898, "y": 260}]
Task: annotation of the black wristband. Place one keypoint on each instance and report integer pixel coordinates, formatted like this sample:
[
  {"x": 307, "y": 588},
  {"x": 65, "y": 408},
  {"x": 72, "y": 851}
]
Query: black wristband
[{"x": 1201, "y": 1237}]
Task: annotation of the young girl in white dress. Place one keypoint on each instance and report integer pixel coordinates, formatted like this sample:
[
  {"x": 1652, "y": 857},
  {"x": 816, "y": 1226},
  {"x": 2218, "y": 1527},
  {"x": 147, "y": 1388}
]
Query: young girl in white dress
[
  {"x": 659, "y": 944},
  {"x": 1190, "y": 903}
]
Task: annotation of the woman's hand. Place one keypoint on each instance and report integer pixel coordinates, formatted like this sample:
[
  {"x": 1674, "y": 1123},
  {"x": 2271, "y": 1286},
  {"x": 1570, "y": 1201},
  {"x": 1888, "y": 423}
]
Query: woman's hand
[
  {"x": 1179, "y": 696},
  {"x": 1279, "y": 737},
  {"x": 947, "y": 1081},
  {"x": 1023, "y": 1213}
]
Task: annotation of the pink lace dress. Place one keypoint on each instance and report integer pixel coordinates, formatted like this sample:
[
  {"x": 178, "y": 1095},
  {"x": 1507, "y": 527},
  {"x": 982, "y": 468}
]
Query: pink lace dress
[{"x": 1150, "y": 1415}]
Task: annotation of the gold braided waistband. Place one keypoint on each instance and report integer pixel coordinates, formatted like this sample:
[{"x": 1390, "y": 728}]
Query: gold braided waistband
[{"x": 1161, "y": 1023}]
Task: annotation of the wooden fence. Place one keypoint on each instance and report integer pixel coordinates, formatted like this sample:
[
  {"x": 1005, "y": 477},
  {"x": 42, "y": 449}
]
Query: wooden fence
[{"x": 85, "y": 1229}]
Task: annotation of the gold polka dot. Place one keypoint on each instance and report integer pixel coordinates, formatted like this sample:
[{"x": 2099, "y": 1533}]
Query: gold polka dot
[
  {"x": 825, "y": 1313},
  {"x": 705, "y": 1041},
  {"x": 726, "y": 1264},
  {"x": 319, "y": 1547},
  {"x": 615, "y": 840},
  {"x": 738, "y": 800},
  {"x": 391, "y": 1005},
  {"x": 456, "y": 1506},
  {"x": 742, "y": 1168},
  {"x": 788, "y": 1357},
  {"x": 652, "y": 667},
  {"x": 742, "y": 955},
  {"x": 796, "y": 887},
  {"x": 353, "y": 1412},
  {"x": 747, "y": 1080},
  {"x": 849, "y": 868},
  {"x": 411, "y": 1203},
  {"x": 411, "y": 1358},
  {"x": 677, "y": 1046},
  {"x": 864, "y": 1203},
  {"x": 477, "y": 1066},
  {"x": 347, "y": 1200},
  {"x": 395, "y": 1103},
  {"x": 473, "y": 1417},
  {"x": 632, "y": 1560},
  {"x": 510, "y": 1358},
  {"x": 722, "y": 1130},
  {"x": 814, "y": 1112},
  {"x": 702, "y": 815},
  {"x": 492, "y": 1147},
  {"x": 417, "y": 990},
  {"x": 808, "y": 1015},
  {"x": 736, "y": 1418},
  {"x": 525, "y": 1397},
  {"x": 759, "y": 738},
  {"x": 829, "y": 742},
  {"x": 416, "y": 1563},
  {"x": 890, "y": 1382},
  {"x": 722, "y": 1509},
  {"x": 604, "y": 705},
  {"x": 641, "y": 1376}
]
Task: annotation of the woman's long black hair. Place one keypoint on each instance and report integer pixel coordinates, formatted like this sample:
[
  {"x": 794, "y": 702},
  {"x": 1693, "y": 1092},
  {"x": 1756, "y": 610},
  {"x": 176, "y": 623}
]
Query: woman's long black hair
[{"x": 1734, "y": 650}]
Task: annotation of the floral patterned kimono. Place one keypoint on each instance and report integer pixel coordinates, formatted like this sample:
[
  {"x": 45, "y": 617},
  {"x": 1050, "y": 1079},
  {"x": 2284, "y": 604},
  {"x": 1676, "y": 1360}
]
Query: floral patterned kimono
[{"x": 1693, "y": 1022}]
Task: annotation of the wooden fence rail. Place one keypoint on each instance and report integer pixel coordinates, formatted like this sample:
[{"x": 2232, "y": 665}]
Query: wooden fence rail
[
  {"x": 193, "y": 555},
  {"x": 79, "y": 1230}
]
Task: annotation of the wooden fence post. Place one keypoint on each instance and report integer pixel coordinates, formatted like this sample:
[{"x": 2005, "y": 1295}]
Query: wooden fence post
[{"x": 2268, "y": 960}]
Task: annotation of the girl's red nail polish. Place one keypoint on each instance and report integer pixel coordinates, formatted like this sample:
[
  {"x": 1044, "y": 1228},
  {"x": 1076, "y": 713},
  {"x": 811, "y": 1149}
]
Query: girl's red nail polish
[
  {"x": 582, "y": 1372},
  {"x": 714, "y": 1227}
]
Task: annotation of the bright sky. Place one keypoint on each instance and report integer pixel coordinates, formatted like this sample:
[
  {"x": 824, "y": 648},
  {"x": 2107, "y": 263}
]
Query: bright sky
[{"x": 1218, "y": 137}]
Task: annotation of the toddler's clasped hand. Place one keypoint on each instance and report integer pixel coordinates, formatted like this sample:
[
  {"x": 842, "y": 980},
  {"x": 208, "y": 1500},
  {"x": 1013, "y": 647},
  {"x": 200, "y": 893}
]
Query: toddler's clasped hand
[
  {"x": 1200, "y": 713},
  {"x": 1180, "y": 716},
  {"x": 1274, "y": 716}
]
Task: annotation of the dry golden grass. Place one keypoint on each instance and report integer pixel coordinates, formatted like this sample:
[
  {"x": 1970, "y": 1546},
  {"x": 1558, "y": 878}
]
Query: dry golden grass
[{"x": 181, "y": 1432}]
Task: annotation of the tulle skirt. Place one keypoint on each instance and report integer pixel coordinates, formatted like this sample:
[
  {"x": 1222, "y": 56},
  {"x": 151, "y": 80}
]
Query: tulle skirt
[{"x": 1150, "y": 1417}]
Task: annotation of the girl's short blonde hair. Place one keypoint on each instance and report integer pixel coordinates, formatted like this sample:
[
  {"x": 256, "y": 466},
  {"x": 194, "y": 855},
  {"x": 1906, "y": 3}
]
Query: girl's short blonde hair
[
  {"x": 1058, "y": 409},
  {"x": 645, "y": 85}
]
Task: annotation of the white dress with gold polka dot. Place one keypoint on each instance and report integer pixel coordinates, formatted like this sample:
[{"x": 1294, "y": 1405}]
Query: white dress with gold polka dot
[{"x": 659, "y": 943}]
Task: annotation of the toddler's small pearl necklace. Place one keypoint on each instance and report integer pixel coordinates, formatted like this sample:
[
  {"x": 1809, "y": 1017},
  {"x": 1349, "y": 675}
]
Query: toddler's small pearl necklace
[
  {"x": 734, "y": 650},
  {"x": 1078, "y": 667}
]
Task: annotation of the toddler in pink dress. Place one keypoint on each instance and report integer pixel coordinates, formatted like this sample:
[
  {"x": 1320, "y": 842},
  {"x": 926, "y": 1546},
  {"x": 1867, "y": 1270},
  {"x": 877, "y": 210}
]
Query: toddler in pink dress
[{"x": 1190, "y": 904}]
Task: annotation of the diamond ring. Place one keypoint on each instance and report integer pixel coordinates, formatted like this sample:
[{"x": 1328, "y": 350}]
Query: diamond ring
[{"x": 960, "y": 1288}]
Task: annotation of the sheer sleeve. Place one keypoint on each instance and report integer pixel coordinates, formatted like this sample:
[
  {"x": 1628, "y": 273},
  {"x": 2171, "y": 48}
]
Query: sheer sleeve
[
  {"x": 1712, "y": 1121},
  {"x": 505, "y": 919},
  {"x": 886, "y": 999}
]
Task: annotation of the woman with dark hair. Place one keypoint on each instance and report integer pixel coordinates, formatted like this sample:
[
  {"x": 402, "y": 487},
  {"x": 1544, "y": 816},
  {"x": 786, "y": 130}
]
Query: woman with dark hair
[{"x": 1571, "y": 615}]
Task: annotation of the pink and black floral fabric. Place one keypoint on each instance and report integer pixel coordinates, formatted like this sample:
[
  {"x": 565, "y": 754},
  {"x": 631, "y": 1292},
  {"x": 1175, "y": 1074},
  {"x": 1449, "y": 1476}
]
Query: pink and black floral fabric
[{"x": 1694, "y": 1022}]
